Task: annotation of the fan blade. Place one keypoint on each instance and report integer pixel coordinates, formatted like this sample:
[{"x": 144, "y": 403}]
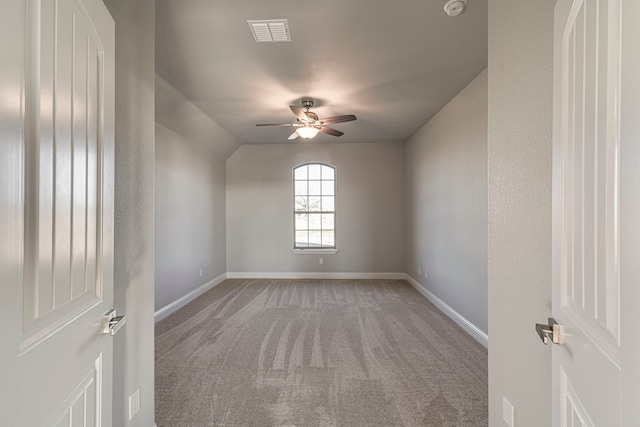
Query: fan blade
[
  {"x": 331, "y": 131},
  {"x": 299, "y": 112},
  {"x": 293, "y": 135},
  {"x": 338, "y": 119},
  {"x": 275, "y": 124}
]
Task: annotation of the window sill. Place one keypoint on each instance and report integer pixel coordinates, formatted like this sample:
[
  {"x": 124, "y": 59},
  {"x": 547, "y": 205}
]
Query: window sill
[{"x": 313, "y": 251}]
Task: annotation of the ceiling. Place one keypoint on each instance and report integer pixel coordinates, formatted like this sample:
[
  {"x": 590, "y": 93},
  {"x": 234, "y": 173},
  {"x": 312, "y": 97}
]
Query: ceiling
[{"x": 394, "y": 64}]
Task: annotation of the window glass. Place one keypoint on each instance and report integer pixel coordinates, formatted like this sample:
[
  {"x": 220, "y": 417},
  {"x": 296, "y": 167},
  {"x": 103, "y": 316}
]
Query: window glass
[
  {"x": 328, "y": 204},
  {"x": 328, "y": 239},
  {"x": 314, "y": 172},
  {"x": 314, "y": 190},
  {"x": 327, "y": 221},
  {"x": 302, "y": 239},
  {"x": 301, "y": 204},
  {"x": 315, "y": 221},
  {"x": 301, "y": 173},
  {"x": 302, "y": 221},
  {"x": 328, "y": 173},
  {"x": 328, "y": 188},
  {"x": 300, "y": 188},
  {"x": 314, "y": 204}
]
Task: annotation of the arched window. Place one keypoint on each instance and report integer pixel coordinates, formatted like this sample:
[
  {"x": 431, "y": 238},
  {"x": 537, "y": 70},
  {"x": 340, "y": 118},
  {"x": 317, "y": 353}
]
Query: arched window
[{"x": 314, "y": 212}]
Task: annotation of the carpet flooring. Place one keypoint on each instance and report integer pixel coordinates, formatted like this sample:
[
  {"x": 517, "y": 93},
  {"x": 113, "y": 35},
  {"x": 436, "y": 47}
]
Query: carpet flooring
[{"x": 317, "y": 353}]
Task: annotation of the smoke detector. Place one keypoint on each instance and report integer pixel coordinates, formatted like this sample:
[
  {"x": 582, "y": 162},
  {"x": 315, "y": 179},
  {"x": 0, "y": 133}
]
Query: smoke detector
[{"x": 455, "y": 7}]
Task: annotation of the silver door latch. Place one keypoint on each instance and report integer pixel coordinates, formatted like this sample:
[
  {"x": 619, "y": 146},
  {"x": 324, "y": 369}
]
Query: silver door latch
[
  {"x": 548, "y": 332},
  {"x": 112, "y": 323}
]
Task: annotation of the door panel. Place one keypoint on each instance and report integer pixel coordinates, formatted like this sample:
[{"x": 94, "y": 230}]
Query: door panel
[
  {"x": 589, "y": 264},
  {"x": 573, "y": 413},
  {"x": 63, "y": 237},
  {"x": 57, "y": 212},
  {"x": 586, "y": 255},
  {"x": 83, "y": 403}
]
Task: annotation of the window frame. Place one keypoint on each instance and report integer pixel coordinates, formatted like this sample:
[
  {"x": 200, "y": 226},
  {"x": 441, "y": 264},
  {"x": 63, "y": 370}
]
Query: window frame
[{"x": 315, "y": 249}]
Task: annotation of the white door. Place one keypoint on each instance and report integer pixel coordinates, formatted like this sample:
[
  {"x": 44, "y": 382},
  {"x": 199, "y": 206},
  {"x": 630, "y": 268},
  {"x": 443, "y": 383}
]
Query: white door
[
  {"x": 56, "y": 215},
  {"x": 595, "y": 211}
]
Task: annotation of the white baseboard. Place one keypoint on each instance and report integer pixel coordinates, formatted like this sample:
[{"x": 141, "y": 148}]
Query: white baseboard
[
  {"x": 460, "y": 320},
  {"x": 181, "y": 302},
  {"x": 318, "y": 275}
]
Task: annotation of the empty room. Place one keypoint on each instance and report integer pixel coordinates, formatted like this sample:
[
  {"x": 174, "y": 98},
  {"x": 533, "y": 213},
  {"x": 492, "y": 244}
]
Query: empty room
[
  {"x": 321, "y": 191},
  {"x": 349, "y": 213}
]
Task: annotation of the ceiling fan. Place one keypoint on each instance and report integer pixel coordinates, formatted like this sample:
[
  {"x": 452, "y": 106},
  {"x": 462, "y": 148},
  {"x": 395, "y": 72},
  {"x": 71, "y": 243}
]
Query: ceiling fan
[{"x": 308, "y": 124}]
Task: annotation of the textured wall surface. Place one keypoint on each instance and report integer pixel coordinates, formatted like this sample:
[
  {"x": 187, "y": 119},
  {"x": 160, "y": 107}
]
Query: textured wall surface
[
  {"x": 183, "y": 117},
  {"x": 446, "y": 196},
  {"x": 519, "y": 161},
  {"x": 370, "y": 208},
  {"x": 190, "y": 231},
  {"x": 134, "y": 207}
]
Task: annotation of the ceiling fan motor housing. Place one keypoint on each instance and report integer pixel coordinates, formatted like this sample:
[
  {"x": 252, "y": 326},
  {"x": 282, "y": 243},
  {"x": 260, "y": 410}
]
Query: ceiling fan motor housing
[{"x": 313, "y": 117}]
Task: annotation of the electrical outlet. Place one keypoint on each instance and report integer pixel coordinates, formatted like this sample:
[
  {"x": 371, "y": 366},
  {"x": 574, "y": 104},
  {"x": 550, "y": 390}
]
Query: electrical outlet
[
  {"x": 321, "y": 261},
  {"x": 134, "y": 403},
  {"x": 200, "y": 272},
  {"x": 507, "y": 412}
]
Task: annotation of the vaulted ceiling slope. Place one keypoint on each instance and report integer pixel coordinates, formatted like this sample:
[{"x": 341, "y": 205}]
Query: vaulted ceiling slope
[{"x": 394, "y": 64}]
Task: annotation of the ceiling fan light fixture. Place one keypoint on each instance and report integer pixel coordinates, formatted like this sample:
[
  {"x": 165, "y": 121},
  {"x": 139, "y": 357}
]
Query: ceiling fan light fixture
[
  {"x": 308, "y": 124},
  {"x": 307, "y": 132},
  {"x": 455, "y": 7}
]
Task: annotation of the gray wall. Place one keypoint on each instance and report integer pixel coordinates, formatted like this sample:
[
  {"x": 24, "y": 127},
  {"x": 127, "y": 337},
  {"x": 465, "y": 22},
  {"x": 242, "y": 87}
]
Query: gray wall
[
  {"x": 446, "y": 192},
  {"x": 182, "y": 116},
  {"x": 134, "y": 280},
  {"x": 191, "y": 150},
  {"x": 190, "y": 216},
  {"x": 370, "y": 208},
  {"x": 519, "y": 161}
]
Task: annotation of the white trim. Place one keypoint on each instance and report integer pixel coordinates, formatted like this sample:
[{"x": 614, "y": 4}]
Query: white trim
[
  {"x": 460, "y": 320},
  {"x": 186, "y": 299},
  {"x": 318, "y": 251},
  {"x": 316, "y": 275}
]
